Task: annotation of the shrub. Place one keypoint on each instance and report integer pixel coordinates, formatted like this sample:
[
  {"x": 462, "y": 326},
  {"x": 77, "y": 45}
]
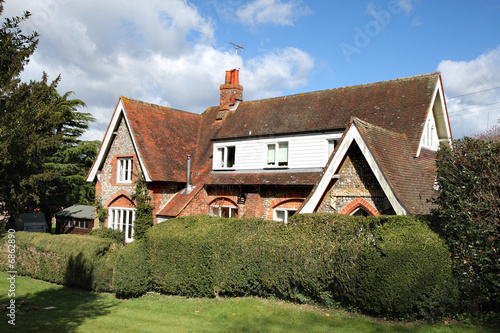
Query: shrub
[
  {"x": 405, "y": 268},
  {"x": 469, "y": 217},
  {"x": 131, "y": 273},
  {"x": 102, "y": 275},
  {"x": 64, "y": 259},
  {"x": 108, "y": 233}
]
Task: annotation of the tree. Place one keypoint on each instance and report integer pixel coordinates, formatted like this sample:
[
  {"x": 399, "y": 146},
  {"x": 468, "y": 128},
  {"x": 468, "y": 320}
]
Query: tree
[
  {"x": 469, "y": 217},
  {"x": 40, "y": 154},
  {"x": 143, "y": 209}
]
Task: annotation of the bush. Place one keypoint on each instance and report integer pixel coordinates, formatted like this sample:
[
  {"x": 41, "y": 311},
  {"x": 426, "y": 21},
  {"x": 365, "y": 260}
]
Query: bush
[
  {"x": 404, "y": 269},
  {"x": 64, "y": 259},
  {"x": 131, "y": 273},
  {"x": 469, "y": 218},
  {"x": 108, "y": 233}
]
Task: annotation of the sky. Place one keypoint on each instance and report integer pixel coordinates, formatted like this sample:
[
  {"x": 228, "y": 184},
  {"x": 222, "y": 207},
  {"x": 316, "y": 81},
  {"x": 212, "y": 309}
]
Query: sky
[{"x": 175, "y": 52}]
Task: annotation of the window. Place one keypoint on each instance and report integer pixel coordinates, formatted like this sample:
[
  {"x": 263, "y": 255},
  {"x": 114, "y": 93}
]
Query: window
[
  {"x": 224, "y": 211},
  {"x": 122, "y": 219},
  {"x": 225, "y": 157},
  {"x": 282, "y": 215},
  {"x": 360, "y": 212},
  {"x": 332, "y": 143},
  {"x": 277, "y": 154},
  {"x": 82, "y": 224},
  {"x": 124, "y": 172}
]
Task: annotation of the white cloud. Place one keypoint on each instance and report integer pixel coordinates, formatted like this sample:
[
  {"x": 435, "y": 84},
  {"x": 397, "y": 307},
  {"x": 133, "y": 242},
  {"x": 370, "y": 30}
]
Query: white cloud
[
  {"x": 160, "y": 52},
  {"x": 478, "y": 103},
  {"x": 281, "y": 69},
  {"x": 275, "y": 12}
]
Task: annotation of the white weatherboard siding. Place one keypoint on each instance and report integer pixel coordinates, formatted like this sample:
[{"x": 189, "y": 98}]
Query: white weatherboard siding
[{"x": 304, "y": 151}]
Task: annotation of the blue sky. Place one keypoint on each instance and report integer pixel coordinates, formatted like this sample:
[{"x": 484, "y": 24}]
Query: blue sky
[{"x": 175, "y": 52}]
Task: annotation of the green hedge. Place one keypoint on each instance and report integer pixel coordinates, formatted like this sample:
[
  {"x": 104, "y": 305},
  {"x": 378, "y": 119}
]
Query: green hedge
[
  {"x": 404, "y": 269},
  {"x": 131, "y": 273},
  {"x": 384, "y": 265},
  {"x": 63, "y": 259}
]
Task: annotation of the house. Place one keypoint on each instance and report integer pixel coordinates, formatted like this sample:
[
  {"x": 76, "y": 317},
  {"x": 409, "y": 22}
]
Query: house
[
  {"x": 77, "y": 219},
  {"x": 32, "y": 222},
  {"x": 363, "y": 150}
]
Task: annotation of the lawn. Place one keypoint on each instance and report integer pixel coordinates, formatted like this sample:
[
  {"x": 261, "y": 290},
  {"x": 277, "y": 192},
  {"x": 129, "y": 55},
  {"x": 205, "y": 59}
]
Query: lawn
[{"x": 45, "y": 307}]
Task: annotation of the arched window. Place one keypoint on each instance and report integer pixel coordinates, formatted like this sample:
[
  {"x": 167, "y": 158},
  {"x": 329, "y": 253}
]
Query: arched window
[{"x": 223, "y": 207}]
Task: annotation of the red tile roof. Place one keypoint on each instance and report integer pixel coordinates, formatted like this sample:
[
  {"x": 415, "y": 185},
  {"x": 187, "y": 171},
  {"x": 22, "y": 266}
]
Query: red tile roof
[
  {"x": 411, "y": 179},
  {"x": 391, "y": 115},
  {"x": 399, "y": 105},
  {"x": 164, "y": 136}
]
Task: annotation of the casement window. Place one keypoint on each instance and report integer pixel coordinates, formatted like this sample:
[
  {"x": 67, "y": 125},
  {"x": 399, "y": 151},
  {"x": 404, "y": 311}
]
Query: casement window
[
  {"x": 283, "y": 214},
  {"x": 277, "y": 154},
  {"x": 224, "y": 211},
  {"x": 124, "y": 172},
  {"x": 122, "y": 219},
  {"x": 225, "y": 157}
]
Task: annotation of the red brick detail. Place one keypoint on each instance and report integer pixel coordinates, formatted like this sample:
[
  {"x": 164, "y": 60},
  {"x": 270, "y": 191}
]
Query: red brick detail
[
  {"x": 294, "y": 203},
  {"x": 222, "y": 201},
  {"x": 120, "y": 199},
  {"x": 198, "y": 205},
  {"x": 359, "y": 202}
]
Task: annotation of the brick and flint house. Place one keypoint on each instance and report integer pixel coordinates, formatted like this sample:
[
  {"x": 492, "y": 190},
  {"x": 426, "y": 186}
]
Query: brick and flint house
[{"x": 364, "y": 150}]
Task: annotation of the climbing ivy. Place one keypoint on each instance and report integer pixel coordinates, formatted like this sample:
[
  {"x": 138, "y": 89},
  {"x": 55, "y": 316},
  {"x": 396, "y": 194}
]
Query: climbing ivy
[{"x": 144, "y": 209}]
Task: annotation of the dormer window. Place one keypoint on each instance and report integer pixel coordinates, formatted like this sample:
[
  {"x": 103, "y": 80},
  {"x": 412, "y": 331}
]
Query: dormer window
[
  {"x": 124, "y": 172},
  {"x": 277, "y": 154},
  {"x": 225, "y": 157}
]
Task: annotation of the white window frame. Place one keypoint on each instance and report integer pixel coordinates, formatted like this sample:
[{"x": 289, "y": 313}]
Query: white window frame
[
  {"x": 286, "y": 214},
  {"x": 331, "y": 144},
  {"x": 125, "y": 166},
  {"x": 274, "y": 159},
  {"x": 122, "y": 219},
  {"x": 217, "y": 210},
  {"x": 221, "y": 155}
]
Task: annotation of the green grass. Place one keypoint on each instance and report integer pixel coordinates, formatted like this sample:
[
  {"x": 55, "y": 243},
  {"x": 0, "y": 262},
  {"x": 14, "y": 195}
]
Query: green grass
[{"x": 81, "y": 311}]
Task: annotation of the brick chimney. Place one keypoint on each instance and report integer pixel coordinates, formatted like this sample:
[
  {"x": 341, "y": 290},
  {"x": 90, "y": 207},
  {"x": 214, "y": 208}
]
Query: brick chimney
[{"x": 231, "y": 94}]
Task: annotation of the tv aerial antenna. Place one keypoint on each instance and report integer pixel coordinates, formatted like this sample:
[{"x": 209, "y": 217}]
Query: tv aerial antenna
[{"x": 238, "y": 48}]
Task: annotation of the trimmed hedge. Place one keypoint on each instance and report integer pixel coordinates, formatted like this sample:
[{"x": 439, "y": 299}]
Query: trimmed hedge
[
  {"x": 405, "y": 269},
  {"x": 385, "y": 265},
  {"x": 131, "y": 273},
  {"x": 114, "y": 234},
  {"x": 63, "y": 259}
]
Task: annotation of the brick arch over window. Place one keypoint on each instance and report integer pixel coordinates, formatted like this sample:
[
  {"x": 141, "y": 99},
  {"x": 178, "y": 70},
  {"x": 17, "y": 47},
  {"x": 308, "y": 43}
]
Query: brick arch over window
[
  {"x": 222, "y": 201},
  {"x": 288, "y": 203},
  {"x": 120, "y": 199},
  {"x": 357, "y": 203}
]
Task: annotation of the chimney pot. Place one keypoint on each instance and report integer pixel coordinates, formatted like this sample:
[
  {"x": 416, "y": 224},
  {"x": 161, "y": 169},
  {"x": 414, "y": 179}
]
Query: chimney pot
[{"x": 231, "y": 93}]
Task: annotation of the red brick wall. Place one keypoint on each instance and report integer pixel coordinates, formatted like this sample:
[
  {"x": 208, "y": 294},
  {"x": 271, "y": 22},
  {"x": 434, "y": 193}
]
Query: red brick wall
[{"x": 256, "y": 204}]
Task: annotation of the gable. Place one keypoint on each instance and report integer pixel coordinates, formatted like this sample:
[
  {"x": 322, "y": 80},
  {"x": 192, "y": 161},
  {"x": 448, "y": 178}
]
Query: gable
[
  {"x": 354, "y": 180},
  {"x": 436, "y": 129},
  {"x": 161, "y": 137}
]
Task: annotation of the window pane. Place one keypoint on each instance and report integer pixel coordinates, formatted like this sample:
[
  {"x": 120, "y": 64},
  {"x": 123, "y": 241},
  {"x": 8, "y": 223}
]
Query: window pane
[
  {"x": 271, "y": 154},
  {"x": 220, "y": 157},
  {"x": 233, "y": 212},
  {"x": 331, "y": 147},
  {"x": 280, "y": 215},
  {"x": 283, "y": 153},
  {"x": 224, "y": 211},
  {"x": 231, "y": 152}
]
